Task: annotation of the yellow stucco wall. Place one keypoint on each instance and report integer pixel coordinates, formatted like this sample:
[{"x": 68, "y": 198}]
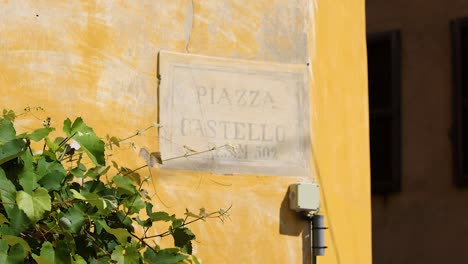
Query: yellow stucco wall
[{"x": 98, "y": 60}]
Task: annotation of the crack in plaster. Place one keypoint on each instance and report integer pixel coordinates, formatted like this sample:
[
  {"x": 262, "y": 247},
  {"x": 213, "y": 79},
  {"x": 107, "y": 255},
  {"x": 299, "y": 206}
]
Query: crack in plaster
[{"x": 188, "y": 28}]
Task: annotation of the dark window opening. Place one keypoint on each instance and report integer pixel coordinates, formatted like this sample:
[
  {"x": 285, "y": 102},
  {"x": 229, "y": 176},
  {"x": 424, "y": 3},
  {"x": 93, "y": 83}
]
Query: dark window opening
[
  {"x": 383, "y": 60},
  {"x": 460, "y": 101}
]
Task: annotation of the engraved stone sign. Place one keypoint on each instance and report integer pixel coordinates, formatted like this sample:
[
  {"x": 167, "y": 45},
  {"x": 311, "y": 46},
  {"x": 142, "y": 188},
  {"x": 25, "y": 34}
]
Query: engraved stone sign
[{"x": 259, "y": 108}]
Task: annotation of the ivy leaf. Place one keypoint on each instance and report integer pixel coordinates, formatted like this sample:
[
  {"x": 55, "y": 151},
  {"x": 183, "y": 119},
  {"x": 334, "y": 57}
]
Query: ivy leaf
[
  {"x": 7, "y": 193},
  {"x": 100, "y": 260},
  {"x": 110, "y": 201},
  {"x": 77, "y": 259},
  {"x": 76, "y": 217},
  {"x": 8, "y": 196},
  {"x": 12, "y": 240},
  {"x": 40, "y": 133},
  {"x": 134, "y": 204},
  {"x": 183, "y": 238},
  {"x": 78, "y": 171},
  {"x": 19, "y": 221},
  {"x": 203, "y": 213},
  {"x": 195, "y": 260},
  {"x": 47, "y": 254},
  {"x": 144, "y": 223},
  {"x": 96, "y": 200},
  {"x": 176, "y": 223},
  {"x": 3, "y": 251},
  {"x": 115, "y": 165},
  {"x": 55, "y": 177},
  {"x": 7, "y": 230},
  {"x": 120, "y": 233},
  {"x": 115, "y": 141},
  {"x": 156, "y": 156},
  {"x": 45, "y": 168},
  {"x": 53, "y": 145},
  {"x": 95, "y": 186},
  {"x": 150, "y": 256},
  {"x": 34, "y": 205},
  {"x": 164, "y": 256},
  {"x": 127, "y": 221},
  {"x": 28, "y": 180},
  {"x": 129, "y": 173},
  {"x": 103, "y": 203},
  {"x": 9, "y": 115},
  {"x": 28, "y": 160},
  {"x": 96, "y": 172},
  {"x": 7, "y": 131},
  {"x": 151, "y": 159},
  {"x": 127, "y": 255},
  {"x": 124, "y": 183},
  {"x": 149, "y": 208},
  {"x": 11, "y": 149},
  {"x": 162, "y": 216},
  {"x": 77, "y": 195},
  {"x": 85, "y": 136},
  {"x": 188, "y": 213},
  {"x": 62, "y": 253},
  {"x": 3, "y": 220},
  {"x": 16, "y": 254}
]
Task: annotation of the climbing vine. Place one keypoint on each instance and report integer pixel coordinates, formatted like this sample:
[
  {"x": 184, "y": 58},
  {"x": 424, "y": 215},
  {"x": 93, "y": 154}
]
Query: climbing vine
[{"x": 56, "y": 209}]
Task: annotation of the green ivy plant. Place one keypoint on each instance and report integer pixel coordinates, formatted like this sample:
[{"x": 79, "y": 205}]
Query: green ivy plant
[{"x": 55, "y": 209}]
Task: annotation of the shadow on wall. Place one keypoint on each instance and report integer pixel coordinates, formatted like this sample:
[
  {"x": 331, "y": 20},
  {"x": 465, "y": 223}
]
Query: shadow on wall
[{"x": 291, "y": 224}]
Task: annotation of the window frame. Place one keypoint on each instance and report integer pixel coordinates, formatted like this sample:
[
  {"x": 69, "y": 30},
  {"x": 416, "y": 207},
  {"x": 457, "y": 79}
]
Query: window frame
[
  {"x": 460, "y": 179},
  {"x": 393, "y": 111}
]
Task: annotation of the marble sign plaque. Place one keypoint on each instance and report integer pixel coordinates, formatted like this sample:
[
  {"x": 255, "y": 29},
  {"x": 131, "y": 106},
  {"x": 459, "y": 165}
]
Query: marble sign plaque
[{"x": 260, "y": 109}]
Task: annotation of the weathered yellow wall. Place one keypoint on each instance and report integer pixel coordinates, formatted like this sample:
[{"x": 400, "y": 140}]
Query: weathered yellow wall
[{"x": 98, "y": 59}]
